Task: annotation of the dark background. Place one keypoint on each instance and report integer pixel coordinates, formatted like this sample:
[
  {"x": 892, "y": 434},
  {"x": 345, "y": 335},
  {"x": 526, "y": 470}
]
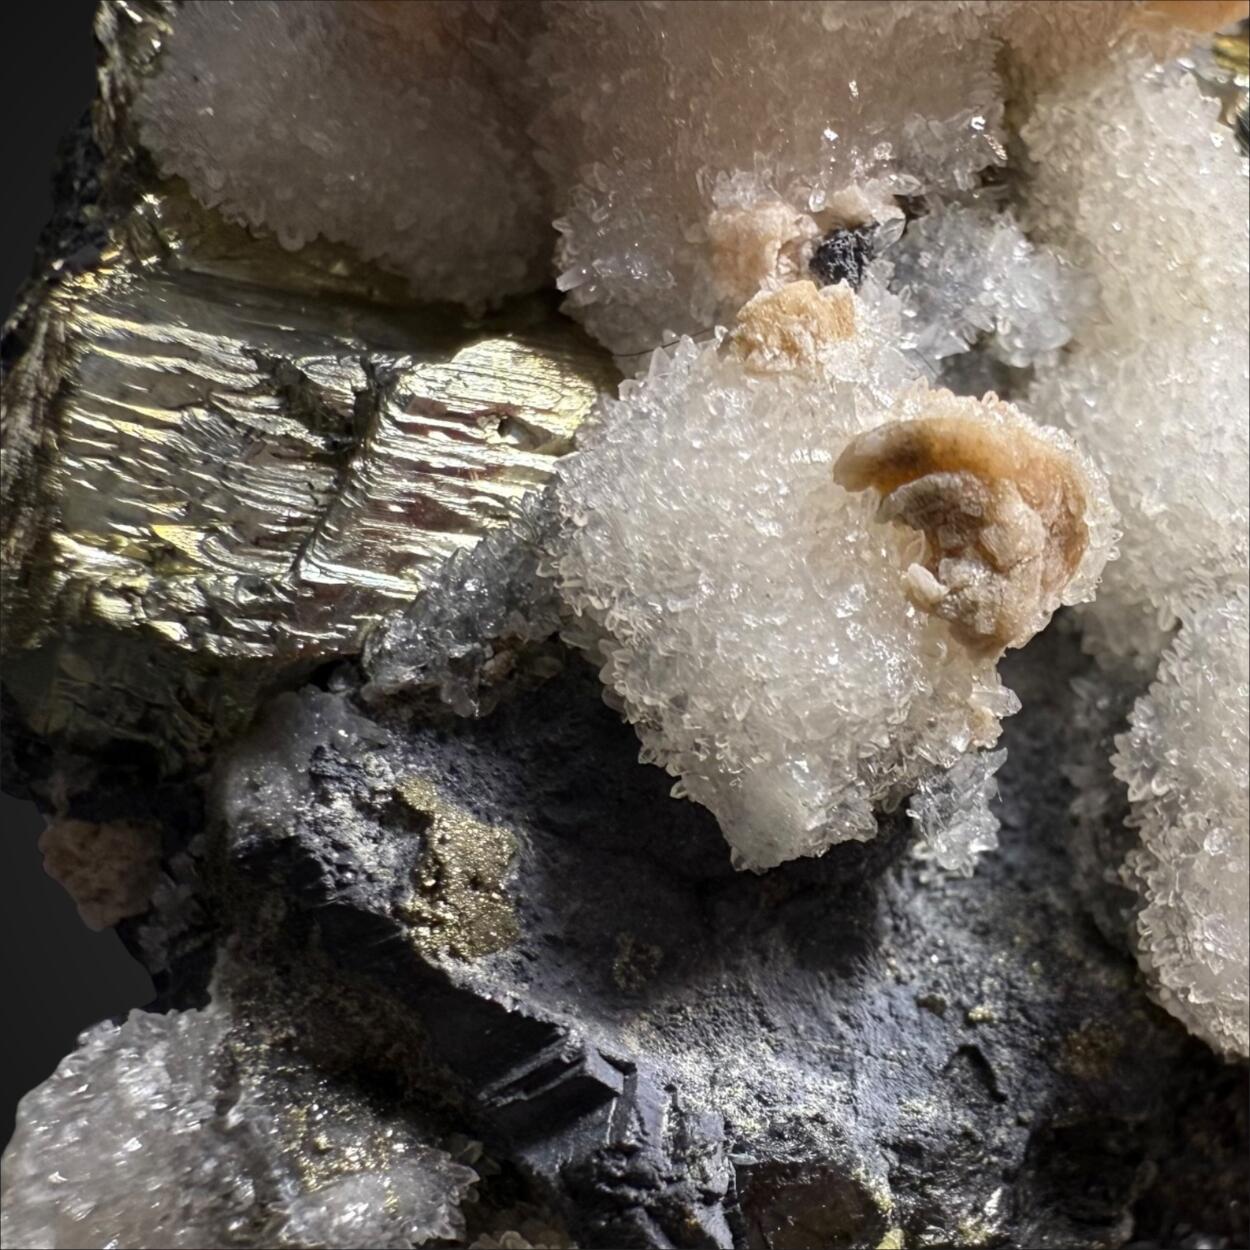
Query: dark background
[{"x": 56, "y": 976}]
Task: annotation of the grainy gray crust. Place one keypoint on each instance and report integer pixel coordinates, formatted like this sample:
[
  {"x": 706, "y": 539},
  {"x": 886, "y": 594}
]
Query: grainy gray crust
[{"x": 672, "y": 1053}]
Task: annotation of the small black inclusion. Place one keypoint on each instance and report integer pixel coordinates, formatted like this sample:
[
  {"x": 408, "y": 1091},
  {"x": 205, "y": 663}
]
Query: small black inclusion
[{"x": 843, "y": 256}]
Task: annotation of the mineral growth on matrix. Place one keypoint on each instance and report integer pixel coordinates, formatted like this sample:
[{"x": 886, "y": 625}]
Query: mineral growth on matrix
[{"x": 640, "y": 611}]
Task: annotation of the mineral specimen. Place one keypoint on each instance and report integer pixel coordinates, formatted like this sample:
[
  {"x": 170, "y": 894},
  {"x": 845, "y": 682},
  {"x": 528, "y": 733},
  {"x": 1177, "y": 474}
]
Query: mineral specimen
[
  {"x": 953, "y": 813},
  {"x": 378, "y": 123},
  {"x": 843, "y": 255},
  {"x": 163, "y": 1136},
  {"x": 110, "y": 869},
  {"x": 1157, "y": 385},
  {"x": 653, "y": 245},
  {"x": 302, "y": 570},
  {"x": 361, "y": 445},
  {"x": 666, "y": 1053},
  {"x": 785, "y": 652},
  {"x": 1006, "y": 514},
  {"x": 472, "y": 636},
  {"x": 969, "y": 271},
  {"x": 1192, "y": 806}
]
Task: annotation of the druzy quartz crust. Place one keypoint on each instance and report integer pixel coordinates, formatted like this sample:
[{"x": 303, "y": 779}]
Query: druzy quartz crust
[{"x": 639, "y": 611}]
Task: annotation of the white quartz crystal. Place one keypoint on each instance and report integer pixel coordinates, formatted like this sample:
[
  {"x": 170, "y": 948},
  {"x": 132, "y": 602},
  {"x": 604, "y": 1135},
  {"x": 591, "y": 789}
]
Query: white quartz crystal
[
  {"x": 463, "y": 638},
  {"x": 699, "y": 150},
  {"x": 1141, "y": 188},
  {"x": 112, "y": 1148},
  {"x": 1136, "y": 183},
  {"x": 969, "y": 271},
  {"x": 148, "y": 1137},
  {"x": 411, "y": 1202},
  {"x": 780, "y": 646},
  {"x": 952, "y": 813},
  {"x": 386, "y": 125},
  {"x": 1186, "y": 763}
]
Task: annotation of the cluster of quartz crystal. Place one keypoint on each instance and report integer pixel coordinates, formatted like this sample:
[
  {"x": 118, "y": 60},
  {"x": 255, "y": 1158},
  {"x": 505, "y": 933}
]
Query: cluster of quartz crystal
[
  {"x": 700, "y": 150},
  {"x": 953, "y": 814},
  {"x": 969, "y": 271},
  {"x": 1186, "y": 763},
  {"x": 1136, "y": 182},
  {"x": 688, "y": 151},
  {"x": 780, "y": 645},
  {"x": 463, "y": 638},
  {"x": 386, "y": 125},
  {"x": 110, "y": 1150},
  {"x": 146, "y": 1136}
]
